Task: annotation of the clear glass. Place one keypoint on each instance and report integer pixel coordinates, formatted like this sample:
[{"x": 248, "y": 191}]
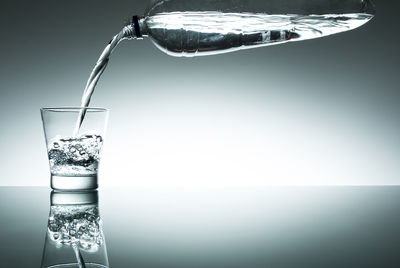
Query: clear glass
[
  {"x": 74, "y": 236},
  {"x": 74, "y": 159}
]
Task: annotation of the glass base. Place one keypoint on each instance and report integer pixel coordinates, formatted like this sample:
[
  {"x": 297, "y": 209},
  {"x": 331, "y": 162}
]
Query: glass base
[{"x": 74, "y": 183}]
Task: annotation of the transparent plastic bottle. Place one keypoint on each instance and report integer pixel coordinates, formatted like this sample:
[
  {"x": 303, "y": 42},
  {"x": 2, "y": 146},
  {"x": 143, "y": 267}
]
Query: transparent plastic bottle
[
  {"x": 207, "y": 27},
  {"x": 192, "y": 27}
]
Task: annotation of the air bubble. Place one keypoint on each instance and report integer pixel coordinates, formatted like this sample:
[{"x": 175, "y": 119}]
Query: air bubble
[
  {"x": 75, "y": 155},
  {"x": 71, "y": 226}
]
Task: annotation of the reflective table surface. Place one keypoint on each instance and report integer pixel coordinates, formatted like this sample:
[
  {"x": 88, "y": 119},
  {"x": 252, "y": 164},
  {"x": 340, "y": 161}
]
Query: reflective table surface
[{"x": 215, "y": 227}]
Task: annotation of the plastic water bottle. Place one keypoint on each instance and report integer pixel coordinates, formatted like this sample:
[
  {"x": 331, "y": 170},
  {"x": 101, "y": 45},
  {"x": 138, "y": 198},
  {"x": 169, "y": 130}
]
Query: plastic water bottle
[{"x": 193, "y": 28}]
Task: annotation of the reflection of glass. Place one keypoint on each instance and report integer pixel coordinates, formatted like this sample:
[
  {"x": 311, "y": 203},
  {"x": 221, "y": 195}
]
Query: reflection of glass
[
  {"x": 74, "y": 236},
  {"x": 74, "y": 157}
]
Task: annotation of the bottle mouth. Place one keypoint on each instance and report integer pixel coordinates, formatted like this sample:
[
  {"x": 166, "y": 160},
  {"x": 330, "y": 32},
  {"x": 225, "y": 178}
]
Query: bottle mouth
[{"x": 133, "y": 28}]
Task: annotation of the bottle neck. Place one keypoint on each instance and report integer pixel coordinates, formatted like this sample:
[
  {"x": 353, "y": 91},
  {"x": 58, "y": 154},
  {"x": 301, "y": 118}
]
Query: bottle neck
[{"x": 135, "y": 29}]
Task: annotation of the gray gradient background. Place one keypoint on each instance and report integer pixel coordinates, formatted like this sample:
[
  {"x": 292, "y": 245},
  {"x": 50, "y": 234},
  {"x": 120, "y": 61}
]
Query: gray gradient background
[{"x": 322, "y": 111}]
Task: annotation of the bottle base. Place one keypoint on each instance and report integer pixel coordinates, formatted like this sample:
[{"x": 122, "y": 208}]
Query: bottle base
[{"x": 73, "y": 183}]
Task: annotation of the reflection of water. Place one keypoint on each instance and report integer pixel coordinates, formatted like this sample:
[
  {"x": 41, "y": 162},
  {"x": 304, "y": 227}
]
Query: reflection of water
[
  {"x": 78, "y": 226},
  {"x": 74, "y": 236}
]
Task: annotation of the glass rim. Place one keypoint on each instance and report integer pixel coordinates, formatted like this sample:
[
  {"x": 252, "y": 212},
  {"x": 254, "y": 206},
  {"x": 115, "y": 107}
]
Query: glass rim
[{"x": 74, "y": 109}]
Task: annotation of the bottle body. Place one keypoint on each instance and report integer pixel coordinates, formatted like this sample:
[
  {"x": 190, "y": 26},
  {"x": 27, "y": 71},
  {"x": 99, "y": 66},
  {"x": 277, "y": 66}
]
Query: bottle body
[{"x": 191, "y": 28}]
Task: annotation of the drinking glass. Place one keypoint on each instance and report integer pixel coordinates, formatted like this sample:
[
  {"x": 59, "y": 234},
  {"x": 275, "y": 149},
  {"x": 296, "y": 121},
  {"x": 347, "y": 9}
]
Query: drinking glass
[
  {"x": 74, "y": 156},
  {"x": 74, "y": 235}
]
